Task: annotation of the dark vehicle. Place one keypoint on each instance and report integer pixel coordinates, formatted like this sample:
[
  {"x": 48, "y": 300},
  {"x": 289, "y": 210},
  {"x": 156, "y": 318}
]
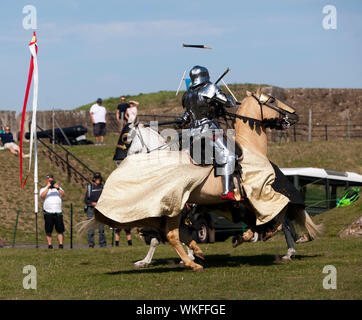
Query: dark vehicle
[
  {"x": 210, "y": 227},
  {"x": 74, "y": 135}
]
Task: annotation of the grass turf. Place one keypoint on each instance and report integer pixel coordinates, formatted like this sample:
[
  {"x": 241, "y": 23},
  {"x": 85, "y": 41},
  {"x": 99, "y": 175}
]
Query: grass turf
[{"x": 248, "y": 272}]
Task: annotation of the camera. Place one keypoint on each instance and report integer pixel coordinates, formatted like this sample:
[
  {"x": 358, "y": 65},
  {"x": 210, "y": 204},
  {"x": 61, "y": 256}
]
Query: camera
[{"x": 52, "y": 183}]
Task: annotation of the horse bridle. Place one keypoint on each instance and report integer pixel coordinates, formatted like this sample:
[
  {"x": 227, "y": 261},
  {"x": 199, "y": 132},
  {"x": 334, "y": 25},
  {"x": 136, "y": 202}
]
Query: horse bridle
[{"x": 281, "y": 123}]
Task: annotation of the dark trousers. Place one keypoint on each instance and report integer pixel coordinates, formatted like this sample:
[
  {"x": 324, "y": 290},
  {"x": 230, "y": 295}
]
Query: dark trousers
[
  {"x": 102, "y": 237},
  {"x": 52, "y": 220}
]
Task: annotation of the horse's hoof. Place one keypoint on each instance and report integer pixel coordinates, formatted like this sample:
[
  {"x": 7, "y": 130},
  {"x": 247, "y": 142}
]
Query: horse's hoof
[
  {"x": 197, "y": 268},
  {"x": 304, "y": 238},
  {"x": 140, "y": 265},
  {"x": 286, "y": 259}
]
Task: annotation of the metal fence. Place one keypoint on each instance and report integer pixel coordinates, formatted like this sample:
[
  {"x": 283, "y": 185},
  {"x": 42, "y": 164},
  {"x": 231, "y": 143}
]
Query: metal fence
[
  {"x": 317, "y": 132},
  {"x": 299, "y": 132}
]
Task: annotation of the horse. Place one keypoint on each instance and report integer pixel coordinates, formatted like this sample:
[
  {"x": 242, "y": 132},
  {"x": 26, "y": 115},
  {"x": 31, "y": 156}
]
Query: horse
[{"x": 256, "y": 113}]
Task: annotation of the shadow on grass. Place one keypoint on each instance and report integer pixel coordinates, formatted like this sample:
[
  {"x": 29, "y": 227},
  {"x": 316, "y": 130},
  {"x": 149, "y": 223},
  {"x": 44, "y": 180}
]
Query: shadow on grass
[
  {"x": 225, "y": 260},
  {"x": 212, "y": 261},
  {"x": 174, "y": 268}
]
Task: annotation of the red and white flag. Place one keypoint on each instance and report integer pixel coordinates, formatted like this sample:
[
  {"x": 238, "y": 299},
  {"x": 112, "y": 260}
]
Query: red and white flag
[{"x": 33, "y": 69}]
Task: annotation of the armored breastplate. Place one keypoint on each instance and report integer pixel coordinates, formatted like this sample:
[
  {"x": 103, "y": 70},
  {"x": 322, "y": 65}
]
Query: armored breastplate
[{"x": 196, "y": 104}]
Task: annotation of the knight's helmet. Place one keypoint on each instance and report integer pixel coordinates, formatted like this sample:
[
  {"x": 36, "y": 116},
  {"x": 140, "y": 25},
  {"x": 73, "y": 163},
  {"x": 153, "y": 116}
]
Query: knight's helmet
[{"x": 199, "y": 75}]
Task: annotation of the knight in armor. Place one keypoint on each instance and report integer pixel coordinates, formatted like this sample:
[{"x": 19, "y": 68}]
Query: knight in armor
[{"x": 202, "y": 101}]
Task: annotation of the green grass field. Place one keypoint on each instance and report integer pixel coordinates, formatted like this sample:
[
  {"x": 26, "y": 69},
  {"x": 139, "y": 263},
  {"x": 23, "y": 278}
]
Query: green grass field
[{"x": 250, "y": 271}]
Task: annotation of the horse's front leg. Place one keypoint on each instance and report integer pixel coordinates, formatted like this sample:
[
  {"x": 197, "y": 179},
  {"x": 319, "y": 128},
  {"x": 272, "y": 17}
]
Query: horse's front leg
[
  {"x": 172, "y": 235},
  {"x": 289, "y": 239},
  {"x": 148, "y": 259}
]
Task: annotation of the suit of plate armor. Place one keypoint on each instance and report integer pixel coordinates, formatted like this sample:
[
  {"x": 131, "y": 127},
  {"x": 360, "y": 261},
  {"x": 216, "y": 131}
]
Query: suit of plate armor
[{"x": 201, "y": 101}]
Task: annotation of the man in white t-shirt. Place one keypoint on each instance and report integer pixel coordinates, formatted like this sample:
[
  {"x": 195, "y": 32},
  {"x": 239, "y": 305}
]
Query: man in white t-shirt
[
  {"x": 52, "y": 195},
  {"x": 98, "y": 117}
]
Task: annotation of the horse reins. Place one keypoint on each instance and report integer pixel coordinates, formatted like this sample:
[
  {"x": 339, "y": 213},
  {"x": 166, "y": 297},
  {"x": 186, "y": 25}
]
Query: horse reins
[{"x": 272, "y": 123}]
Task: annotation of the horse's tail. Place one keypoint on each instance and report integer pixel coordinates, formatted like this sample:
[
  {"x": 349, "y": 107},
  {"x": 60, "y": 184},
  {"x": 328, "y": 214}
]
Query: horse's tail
[
  {"x": 84, "y": 226},
  {"x": 303, "y": 219}
]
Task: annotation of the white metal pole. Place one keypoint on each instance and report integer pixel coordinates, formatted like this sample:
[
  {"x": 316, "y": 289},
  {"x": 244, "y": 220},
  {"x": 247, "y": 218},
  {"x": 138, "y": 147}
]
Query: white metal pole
[
  {"x": 179, "y": 86},
  {"x": 35, "y": 173},
  {"x": 226, "y": 86},
  {"x": 33, "y": 51}
]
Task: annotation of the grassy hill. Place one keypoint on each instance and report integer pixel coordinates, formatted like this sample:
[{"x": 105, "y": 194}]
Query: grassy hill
[{"x": 165, "y": 100}]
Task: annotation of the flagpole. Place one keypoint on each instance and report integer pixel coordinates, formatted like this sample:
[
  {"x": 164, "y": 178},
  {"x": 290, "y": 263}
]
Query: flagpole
[
  {"x": 36, "y": 195},
  {"x": 35, "y": 106},
  {"x": 34, "y": 51}
]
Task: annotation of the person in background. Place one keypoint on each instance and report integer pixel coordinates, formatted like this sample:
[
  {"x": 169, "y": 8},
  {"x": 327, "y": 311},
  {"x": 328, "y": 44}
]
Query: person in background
[
  {"x": 117, "y": 236},
  {"x": 8, "y": 141},
  {"x": 98, "y": 117},
  {"x": 121, "y": 110},
  {"x": 52, "y": 195},
  {"x": 92, "y": 195},
  {"x": 131, "y": 112}
]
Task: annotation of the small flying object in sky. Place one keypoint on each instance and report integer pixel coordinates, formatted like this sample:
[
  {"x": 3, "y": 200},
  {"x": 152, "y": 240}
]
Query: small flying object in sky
[{"x": 199, "y": 46}]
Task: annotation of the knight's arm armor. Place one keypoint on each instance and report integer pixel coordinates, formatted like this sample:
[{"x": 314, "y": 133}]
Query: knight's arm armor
[
  {"x": 214, "y": 93},
  {"x": 184, "y": 119}
]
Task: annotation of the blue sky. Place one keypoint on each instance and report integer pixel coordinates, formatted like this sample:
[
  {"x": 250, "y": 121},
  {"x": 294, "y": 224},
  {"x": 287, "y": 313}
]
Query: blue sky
[{"x": 90, "y": 49}]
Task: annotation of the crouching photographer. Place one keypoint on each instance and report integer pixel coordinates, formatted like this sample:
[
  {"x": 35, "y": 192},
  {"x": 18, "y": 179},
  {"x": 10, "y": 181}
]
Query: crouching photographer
[
  {"x": 52, "y": 195},
  {"x": 92, "y": 195}
]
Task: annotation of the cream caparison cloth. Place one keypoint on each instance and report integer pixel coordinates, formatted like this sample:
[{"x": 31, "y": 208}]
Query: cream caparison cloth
[
  {"x": 257, "y": 178},
  {"x": 149, "y": 185},
  {"x": 159, "y": 184}
]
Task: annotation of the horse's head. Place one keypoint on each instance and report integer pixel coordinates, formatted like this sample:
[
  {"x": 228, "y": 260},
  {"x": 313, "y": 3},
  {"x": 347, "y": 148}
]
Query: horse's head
[
  {"x": 272, "y": 112},
  {"x": 124, "y": 143}
]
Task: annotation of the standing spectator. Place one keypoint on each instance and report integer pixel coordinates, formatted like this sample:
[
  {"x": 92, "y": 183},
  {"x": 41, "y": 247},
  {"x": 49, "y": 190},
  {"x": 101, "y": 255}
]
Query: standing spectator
[
  {"x": 8, "y": 141},
  {"x": 121, "y": 110},
  {"x": 131, "y": 112},
  {"x": 128, "y": 236},
  {"x": 52, "y": 195},
  {"x": 92, "y": 195},
  {"x": 98, "y": 116}
]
